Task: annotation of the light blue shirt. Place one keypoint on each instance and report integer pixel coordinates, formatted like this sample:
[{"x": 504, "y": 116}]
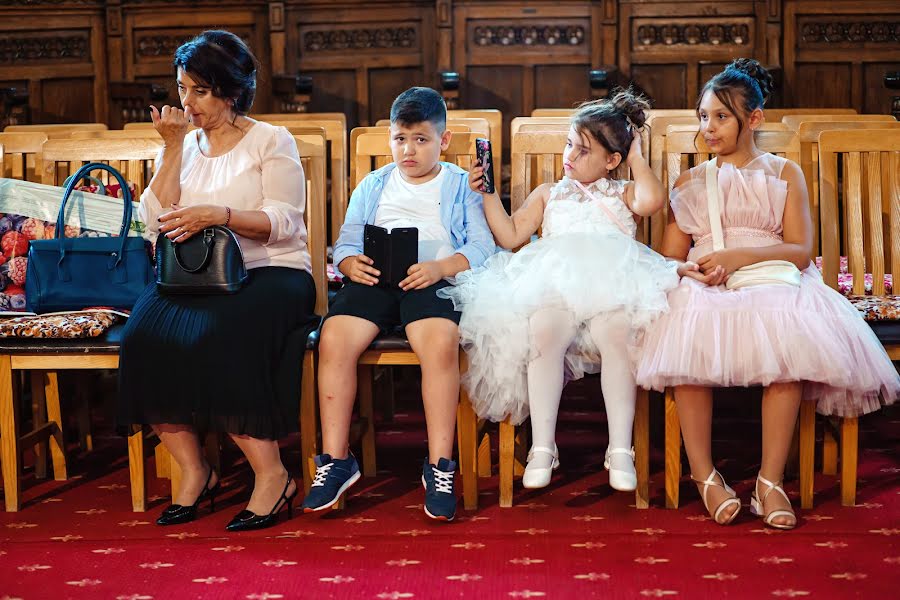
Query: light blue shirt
[{"x": 462, "y": 215}]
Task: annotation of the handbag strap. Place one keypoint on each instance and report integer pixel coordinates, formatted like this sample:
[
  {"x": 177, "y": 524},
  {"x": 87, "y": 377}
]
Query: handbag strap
[
  {"x": 712, "y": 199},
  {"x": 209, "y": 235},
  {"x": 70, "y": 187},
  {"x": 609, "y": 213}
]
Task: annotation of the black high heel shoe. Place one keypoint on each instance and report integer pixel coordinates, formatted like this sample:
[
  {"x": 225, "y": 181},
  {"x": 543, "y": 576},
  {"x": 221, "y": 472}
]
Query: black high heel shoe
[
  {"x": 177, "y": 514},
  {"x": 247, "y": 521}
]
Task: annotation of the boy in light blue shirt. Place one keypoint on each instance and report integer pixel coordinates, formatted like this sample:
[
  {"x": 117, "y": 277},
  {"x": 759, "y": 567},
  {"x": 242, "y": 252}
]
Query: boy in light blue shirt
[{"x": 416, "y": 190}]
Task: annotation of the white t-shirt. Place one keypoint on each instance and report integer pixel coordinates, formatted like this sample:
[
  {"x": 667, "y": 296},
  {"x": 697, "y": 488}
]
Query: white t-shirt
[
  {"x": 404, "y": 204},
  {"x": 262, "y": 172}
]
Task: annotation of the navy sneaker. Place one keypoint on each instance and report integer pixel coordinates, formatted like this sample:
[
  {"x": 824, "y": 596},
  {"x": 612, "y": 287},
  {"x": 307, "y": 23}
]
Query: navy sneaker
[
  {"x": 440, "y": 493},
  {"x": 333, "y": 477}
]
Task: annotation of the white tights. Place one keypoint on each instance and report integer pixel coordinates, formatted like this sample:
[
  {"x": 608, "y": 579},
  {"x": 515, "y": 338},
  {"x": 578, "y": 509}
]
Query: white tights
[{"x": 552, "y": 332}]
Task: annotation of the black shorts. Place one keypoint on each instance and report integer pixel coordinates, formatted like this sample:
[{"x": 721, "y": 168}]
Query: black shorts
[{"x": 390, "y": 308}]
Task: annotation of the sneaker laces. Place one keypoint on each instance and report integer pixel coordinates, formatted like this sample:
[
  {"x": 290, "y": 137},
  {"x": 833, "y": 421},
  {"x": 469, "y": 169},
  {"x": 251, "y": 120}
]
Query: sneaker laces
[
  {"x": 443, "y": 481},
  {"x": 321, "y": 474}
]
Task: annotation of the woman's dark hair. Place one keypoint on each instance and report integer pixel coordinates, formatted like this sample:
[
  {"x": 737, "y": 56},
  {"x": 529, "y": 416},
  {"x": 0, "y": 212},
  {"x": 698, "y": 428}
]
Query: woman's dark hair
[
  {"x": 222, "y": 61},
  {"x": 612, "y": 121},
  {"x": 745, "y": 84}
]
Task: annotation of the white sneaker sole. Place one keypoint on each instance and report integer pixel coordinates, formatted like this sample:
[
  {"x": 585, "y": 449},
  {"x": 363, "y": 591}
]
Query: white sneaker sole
[{"x": 353, "y": 479}]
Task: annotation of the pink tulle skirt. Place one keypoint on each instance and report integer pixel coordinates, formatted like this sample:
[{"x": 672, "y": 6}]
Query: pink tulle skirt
[{"x": 759, "y": 335}]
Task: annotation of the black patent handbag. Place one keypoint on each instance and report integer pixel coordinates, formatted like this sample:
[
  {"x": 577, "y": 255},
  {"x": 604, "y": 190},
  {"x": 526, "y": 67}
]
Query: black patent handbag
[{"x": 210, "y": 262}]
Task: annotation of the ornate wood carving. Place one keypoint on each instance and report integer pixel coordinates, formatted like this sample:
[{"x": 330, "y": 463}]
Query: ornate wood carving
[
  {"x": 69, "y": 46},
  {"x": 854, "y": 30},
  {"x": 402, "y": 37},
  {"x": 649, "y": 33},
  {"x": 529, "y": 35}
]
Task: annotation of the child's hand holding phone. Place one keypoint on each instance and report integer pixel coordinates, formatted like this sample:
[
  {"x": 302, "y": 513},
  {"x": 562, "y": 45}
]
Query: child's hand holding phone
[{"x": 484, "y": 160}]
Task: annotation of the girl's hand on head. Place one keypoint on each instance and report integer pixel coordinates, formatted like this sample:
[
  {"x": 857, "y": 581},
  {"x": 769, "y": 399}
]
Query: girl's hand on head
[
  {"x": 476, "y": 178},
  {"x": 635, "y": 151},
  {"x": 692, "y": 270}
]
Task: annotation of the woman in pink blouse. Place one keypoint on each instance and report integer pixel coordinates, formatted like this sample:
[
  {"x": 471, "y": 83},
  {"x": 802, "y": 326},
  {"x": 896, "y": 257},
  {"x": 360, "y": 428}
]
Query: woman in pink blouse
[{"x": 227, "y": 363}]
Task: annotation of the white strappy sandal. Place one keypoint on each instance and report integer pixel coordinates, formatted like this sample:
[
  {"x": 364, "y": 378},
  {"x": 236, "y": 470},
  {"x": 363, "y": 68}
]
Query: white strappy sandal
[
  {"x": 539, "y": 477},
  {"x": 757, "y": 506},
  {"x": 711, "y": 480},
  {"x": 623, "y": 481}
]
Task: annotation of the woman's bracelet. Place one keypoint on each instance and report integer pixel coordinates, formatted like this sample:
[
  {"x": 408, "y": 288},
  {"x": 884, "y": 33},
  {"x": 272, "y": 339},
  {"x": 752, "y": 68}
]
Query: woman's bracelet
[{"x": 227, "y": 216}]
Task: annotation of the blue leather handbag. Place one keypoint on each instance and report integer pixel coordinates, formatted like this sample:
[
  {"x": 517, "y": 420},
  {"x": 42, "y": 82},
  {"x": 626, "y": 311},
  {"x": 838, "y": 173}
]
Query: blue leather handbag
[{"x": 67, "y": 274}]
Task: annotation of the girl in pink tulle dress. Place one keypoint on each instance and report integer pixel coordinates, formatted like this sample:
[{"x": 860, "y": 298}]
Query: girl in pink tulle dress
[{"x": 798, "y": 341}]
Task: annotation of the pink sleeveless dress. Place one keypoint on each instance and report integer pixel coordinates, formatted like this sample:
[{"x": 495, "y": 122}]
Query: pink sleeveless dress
[{"x": 762, "y": 334}]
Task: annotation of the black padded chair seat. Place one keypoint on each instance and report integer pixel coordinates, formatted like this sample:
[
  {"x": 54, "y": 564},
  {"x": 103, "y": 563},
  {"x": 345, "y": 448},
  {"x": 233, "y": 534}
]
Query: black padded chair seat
[
  {"x": 394, "y": 340},
  {"x": 888, "y": 332},
  {"x": 108, "y": 343}
]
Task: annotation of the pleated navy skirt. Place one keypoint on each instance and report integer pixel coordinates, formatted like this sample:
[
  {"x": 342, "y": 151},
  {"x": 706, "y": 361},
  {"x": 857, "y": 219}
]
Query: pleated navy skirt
[{"x": 229, "y": 363}]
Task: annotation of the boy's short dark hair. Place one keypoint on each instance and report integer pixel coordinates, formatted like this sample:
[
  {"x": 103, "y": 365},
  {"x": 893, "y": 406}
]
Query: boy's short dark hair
[{"x": 420, "y": 104}]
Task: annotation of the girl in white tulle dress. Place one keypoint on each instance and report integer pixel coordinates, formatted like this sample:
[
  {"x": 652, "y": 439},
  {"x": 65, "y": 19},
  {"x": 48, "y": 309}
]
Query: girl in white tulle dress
[
  {"x": 797, "y": 337},
  {"x": 580, "y": 295}
]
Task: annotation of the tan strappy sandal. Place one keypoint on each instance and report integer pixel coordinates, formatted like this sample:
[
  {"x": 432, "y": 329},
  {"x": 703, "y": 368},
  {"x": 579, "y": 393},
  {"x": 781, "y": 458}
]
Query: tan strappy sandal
[
  {"x": 711, "y": 480},
  {"x": 757, "y": 506}
]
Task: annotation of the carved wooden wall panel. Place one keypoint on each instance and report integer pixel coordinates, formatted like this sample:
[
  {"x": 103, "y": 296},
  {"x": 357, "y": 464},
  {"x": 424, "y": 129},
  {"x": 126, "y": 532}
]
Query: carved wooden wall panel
[
  {"x": 668, "y": 47},
  {"x": 511, "y": 55},
  {"x": 151, "y": 34},
  {"x": 847, "y": 44},
  {"x": 385, "y": 46},
  {"x": 60, "y": 57}
]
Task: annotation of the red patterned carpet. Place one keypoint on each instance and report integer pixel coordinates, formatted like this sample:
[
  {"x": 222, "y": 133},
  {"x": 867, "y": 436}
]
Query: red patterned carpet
[{"x": 79, "y": 538}]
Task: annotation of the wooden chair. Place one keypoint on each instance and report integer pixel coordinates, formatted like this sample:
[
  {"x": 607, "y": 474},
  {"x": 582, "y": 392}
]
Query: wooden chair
[
  {"x": 495, "y": 121},
  {"x": 685, "y": 148},
  {"x": 475, "y": 125},
  {"x": 381, "y": 160},
  {"x": 394, "y": 350},
  {"x": 808, "y": 132},
  {"x": 336, "y": 138},
  {"x": 23, "y": 152},
  {"x": 870, "y": 206},
  {"x": 776, "y": 114},
  {"x": 56, "y": 129},
  {"x": 794, "y": 121},
  {"x": 45, "y": 359},
  {"x": 546, "y": 147}
]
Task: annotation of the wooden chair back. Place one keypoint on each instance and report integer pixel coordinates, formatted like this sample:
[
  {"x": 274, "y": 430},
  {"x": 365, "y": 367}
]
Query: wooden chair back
[
  {"x": 323, "y": 116},
  {"x": 338, "y": 149},
  {"x": 495, "y": 122},
  {"x": 794, "y": 121},
  {"x": 475, "y": 125},
  {"x": 866, "y": 197},
  {"x": 373, "y": 150},
  {"x": 133, "y": 157},
  {"x": 777, "y": 114},
  {"x": 552, "y": 112},
  {"x": 313, "y": 156},
  {"x": 808, "y": 132},
  {"x": 685, "y": 148},
  {"x": 116, "y": 134},
  {"x": 56, "y": 129},
  {"x": 381, "y": 160},
  {"x": 538, "y": 158},
  {"x": 23, "y": 152},
  {"x": 669, "y": 113}
]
